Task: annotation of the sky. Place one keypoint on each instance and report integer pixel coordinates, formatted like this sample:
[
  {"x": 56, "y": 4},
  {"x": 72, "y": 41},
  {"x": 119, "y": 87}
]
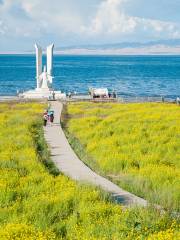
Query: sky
[{"x": 83, "y": 22}]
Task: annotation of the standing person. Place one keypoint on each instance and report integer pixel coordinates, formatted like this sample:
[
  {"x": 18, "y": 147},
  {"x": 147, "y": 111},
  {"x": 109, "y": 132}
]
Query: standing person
[
  {"x": 114, "y": 94},
  {"x": 45, "y": 118},
  {"x": 51, "y": 117},
  {"x": 48, "y": 115},
  {"x": 178, "y": 101},
  {"x": 53, "y": 95},
  {"x": 69, "y": 94}
]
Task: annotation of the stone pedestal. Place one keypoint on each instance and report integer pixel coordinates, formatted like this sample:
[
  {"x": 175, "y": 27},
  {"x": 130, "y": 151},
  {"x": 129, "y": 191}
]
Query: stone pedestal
[{"x": 43, "y": 94}]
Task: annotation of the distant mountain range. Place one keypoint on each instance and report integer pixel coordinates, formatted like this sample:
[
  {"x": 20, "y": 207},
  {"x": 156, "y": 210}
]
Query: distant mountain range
[
  {"x": 172, "y": 43},
  {"x": 125, "y": 48},
  {"x": 162, "y": 47}
]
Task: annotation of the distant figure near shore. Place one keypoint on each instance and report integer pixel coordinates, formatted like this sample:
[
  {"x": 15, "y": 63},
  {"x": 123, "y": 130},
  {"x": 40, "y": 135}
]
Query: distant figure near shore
[
  {"x": 69, "y": 94},
  {"x": 178, "y": 101},
  {"x": 53, "y": 95}
]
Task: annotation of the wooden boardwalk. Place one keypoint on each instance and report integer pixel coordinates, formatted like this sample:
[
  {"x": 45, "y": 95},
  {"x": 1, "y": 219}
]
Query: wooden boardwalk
[{"x": 69, "y": 164}]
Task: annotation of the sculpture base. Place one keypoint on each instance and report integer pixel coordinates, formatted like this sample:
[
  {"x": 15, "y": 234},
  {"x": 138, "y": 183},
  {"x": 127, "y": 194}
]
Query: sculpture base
[{"x": 43, "y": 94}]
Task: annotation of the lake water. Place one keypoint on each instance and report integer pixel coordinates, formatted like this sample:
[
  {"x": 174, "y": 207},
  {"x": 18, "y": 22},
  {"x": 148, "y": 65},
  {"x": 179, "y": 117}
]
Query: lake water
[{"x": 128, "y": 75}]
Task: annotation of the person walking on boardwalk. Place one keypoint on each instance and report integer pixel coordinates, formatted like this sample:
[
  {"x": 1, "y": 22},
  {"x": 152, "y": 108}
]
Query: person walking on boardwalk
[
  {"x": 51, "y": 117},
  {"x": 45, "y": 118}
]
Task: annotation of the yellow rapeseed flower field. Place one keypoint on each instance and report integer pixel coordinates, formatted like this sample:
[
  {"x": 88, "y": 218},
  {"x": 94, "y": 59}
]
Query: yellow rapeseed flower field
[
  {"x": 137, "y": 145},
  {"x": 38, "y": 203}
]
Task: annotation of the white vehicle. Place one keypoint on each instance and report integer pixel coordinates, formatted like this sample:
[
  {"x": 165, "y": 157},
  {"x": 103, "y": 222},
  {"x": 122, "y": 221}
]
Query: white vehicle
[{"x": 99, "y": 92}]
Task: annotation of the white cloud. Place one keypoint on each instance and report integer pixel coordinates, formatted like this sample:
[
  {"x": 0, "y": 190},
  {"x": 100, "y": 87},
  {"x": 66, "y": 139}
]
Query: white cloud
[
  {"x": 2, "y": 28},
  {"x": 111, "y": 19},
  {"x": 54, "y": 16},
  {"x": 81, "y": 19},
  {"x": 25, "y": 18}
]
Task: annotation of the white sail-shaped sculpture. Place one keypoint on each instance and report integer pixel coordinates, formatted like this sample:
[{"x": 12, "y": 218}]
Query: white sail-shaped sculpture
[
  {"x": 38, "y": 64},
  {"x": 50, "y": 62},
  {"x": 44, "y": 79}
]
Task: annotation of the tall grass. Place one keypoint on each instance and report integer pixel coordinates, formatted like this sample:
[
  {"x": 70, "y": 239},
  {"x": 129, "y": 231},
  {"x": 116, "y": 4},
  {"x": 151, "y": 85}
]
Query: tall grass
[
  {"x": 136, "y": 145},
  {"x": 37, "y": 203}
]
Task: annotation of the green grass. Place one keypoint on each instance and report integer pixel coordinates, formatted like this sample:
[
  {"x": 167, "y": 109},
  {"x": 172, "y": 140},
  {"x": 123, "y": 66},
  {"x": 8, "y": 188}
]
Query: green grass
[
  {"x": 38, "y": 203},
  {"x": 135, "y": 145}
]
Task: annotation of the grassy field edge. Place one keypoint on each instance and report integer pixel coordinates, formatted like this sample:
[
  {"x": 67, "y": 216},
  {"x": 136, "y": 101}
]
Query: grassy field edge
[
  {"x": 81, "y": 152},
  {"x": 42, "y": 148},
  {"x": 80, "y": 144}
]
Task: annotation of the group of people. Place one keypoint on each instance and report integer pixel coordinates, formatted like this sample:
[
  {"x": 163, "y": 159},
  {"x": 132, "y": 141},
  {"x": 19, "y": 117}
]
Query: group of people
[{"x": 48, "y": 116}]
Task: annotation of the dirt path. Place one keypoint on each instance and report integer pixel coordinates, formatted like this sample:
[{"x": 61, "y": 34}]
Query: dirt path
[{"x": 68, "y": 163}]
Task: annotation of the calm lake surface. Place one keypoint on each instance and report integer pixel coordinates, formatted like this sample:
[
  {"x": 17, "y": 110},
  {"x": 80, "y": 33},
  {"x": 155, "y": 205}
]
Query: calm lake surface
[{"x": 128, "y": 75}]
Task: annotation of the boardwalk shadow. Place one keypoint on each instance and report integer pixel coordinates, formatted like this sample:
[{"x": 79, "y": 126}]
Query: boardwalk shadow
[
  {"x": 120, "y": 199},
  {"x": 54, "y": 155},
  {"x": 56, "y": 124},
  {"x": 55, "y": 147}
]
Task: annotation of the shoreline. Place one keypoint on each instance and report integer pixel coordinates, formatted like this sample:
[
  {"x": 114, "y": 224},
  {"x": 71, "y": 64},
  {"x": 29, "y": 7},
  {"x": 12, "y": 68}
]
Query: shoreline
[
  {"x": 97, "y": 54},
  {"x": 82, "y": 98},
  {"x": 8, "y": 98}
]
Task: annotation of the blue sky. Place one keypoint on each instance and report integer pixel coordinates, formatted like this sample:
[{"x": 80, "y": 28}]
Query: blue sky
[{"x": 76, "y": 22}]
